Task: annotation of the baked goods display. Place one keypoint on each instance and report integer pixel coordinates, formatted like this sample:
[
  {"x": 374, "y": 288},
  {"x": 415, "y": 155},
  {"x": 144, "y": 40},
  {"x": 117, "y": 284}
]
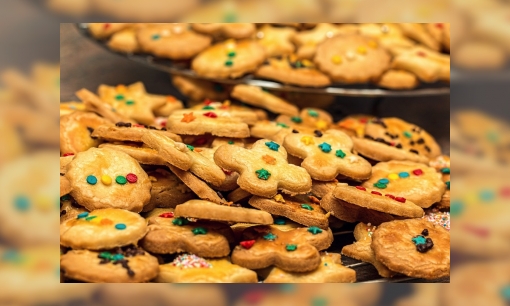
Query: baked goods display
[
  {"x": 391, "y": 56},
  {"x": 156, "y": 190}
]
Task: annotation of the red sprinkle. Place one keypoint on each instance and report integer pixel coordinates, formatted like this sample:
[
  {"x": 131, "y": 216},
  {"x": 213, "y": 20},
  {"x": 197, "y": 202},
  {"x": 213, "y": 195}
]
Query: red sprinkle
[
  {"x": 421, "y": 53},
  {"x": 400, "y": 199},
  {"x": 392, "y": 144},
  {"x": 363, "y": 120},
  {"x": 247, "y": 244},
  {"x": 418, "y": 172},
  {"x": 390, "y": 196},
  {"x": 439, "y": 25},
  {"x": 211, "y": 115},
  {"x": 163, "y": 123},
  {"x": 132, "y": 178},
  {"x": 505, "y": 192},
  {"x": 68, "y": 154},
  {"x": 167, "y": 215},
  {"x": 207, "y": 102},
  {"x": 376, "y": 192},
  {"x": 227, "y": 172},
  {"x": 106, "y": 26},
  {"x": 361, "y": 188},
  {"x": 481, "y": 232}
]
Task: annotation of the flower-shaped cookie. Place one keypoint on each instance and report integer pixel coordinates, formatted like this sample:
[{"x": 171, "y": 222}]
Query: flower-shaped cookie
[{"x": 264, "y": 169}]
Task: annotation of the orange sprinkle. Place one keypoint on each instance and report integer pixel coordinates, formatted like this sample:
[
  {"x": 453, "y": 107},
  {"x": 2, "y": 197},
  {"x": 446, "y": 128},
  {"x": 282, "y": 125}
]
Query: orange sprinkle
[
  {"x": 188, "y": 117},
  {"x": 269, "y": 159},
  {"x": 198, "y": 150},
  {"x": 314, "y": 200},
  {"x": 106, "y": 222},
  {"x": 170, "y": 99}
]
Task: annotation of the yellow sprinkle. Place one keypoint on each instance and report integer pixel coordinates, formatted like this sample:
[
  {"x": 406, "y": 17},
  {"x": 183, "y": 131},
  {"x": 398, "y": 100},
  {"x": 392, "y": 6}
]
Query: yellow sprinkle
[
  {"x": 471, "y": 198},
  {"x": 307, "y": 140},
  {"x": 226, "y": 103},
  {"x": 321, "y": 124},
  {"x": 336, "y": 59},
  {"x": 361, "y": 50},
  {"x": 372, "y": 44},
  {"x": 120, "y": 88},
  {"x": 107, "y": 180},
  {"x": 279, "y": 198},
  {"x": 393, "y": 176},
  {"x": 96, "y": 220},
  {"x": 307, "y": 63}
]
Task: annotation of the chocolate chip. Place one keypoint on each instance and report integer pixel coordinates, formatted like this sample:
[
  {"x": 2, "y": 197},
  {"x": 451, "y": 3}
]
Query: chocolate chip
[
  {"x": 127, "y": 124},
  {"x": 63, "y": 212},
  {"x": 399, "y": 146},
  {"x": 295, "y": 131},
  {"x": 411, "y": 143},
  {"x": 317, "y": 133},
  {"x": 152, "y": 127},
  {"x": 379, "y": 121},
  {"x": 369, "y": 137},
  {"x": 425, "y": 232},
  {"x": 414, "y": 151},
  {"x": 119, "y": 124},
  {"x": 427, "y": 148},
  {"x": 163, "y": 128},
  {"x": 420, "y": 141}
]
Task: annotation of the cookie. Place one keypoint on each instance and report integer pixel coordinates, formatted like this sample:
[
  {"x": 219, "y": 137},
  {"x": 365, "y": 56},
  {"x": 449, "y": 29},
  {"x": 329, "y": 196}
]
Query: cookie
[
  {"x": 291, "y": 70},
  {"x": 172, "y": 40},
  {"x": 69, "y": 209},
  {"x": 102, "y": 229},
  {"x": 169, "y": 234},
  {"x": 330, "y": 270},
  {"x": 298, "y": 209},
  {"x": 375, "y": 200},
  {"x": 65, "y": 186},
  {"x": 125, "y": 131},
  {"x": 263, "y": 169},
  {"x": 321, "y": 188},
  {"x": 414, "y": 247},
  {"x": 275, "y": 40},
  {"x": 429, "y": 66},
  {"x": 361, "y": 249},
  {"x": 326, "y": 155},
  {"x": 229, "y": 59},
  {"x": 124, "y": 41},
  {"x": 227, "y": 109},
  {"x": 94, "y": 104},
  {"x": 256, "y": 96},
  {"x": 190, "y": 268},
  {"x": 442, "y": 165},
  {"x": 167, "y": 190},
  {"x": 231, "y": 177},
  {"x": 354, "y": 125},
  {"x": 69, "y": 107},
  {"x": 171, "y": 104},
  {"x": 122, "y": 265},
  {"x": 105, "y": 30},
  {"x": 417, "y": 183},
  {"x": 395, "y": 139},
  {"x": 275, "y": 131},
  {"x": 206, "y": 210},
  {"x": 418, "y": 32},
  {"x": 131, "y": 101},
  {"x": 199, "y": 90},
  {"x": 351, "y": 59},
  {"x": 141, "y": 154},
  {"x": 238, "y": 195},
  {"x": 199, "y": 165},
  {"x": 292, "y": 251},
  {"x": 193, "y": 122},
  {"x": 438, "y": 217},
  {"x": 314, "y": 118},
  {"x": 76, "y": 131},
  {"x": 388, "y": 35},
  {"x": 92, "y": 174},
  {"x": 397, "y": 79},
  {"x": 64, "y": 161}
]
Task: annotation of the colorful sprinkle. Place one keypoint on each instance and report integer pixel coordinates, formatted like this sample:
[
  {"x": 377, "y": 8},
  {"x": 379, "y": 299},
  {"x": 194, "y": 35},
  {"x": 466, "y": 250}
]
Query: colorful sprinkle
[
  {"x": 448, "y": 185},
  {"x": 120, "y": 226},
  {"x": 487, "y": 195},
  {"x": 376, "y": 193},
  {"x": 269, "y": 159},
  {"x": 279, "y": 221},
  {"x": 417, "y": 172},
  {"x": 231, "y": 53},
  {"x": 380, "y": 186},
  {"x": 89, "y": 218},
  {"x": 190, "y": 147},
  {"x": 270, "y": 236},
  {"x": 383, "y": 181},
  {"x": 130, "y": 102},
  {"x": 68, "y": 154},
  {"x": 187, "y": 261},
  {"x": 313, "y": 113},
  {"x": 314, "y": 230},
  {"x": 400, "y": 199},
  {"x": 263, "y": 174},
  {"x": 283, "y": 125},
  {"x": 207, "y": 107},
  {"x": 445, "y": 170},
  {"x": 247, "y": 244},
  {"x": 408, "y": 134},
  {"x": 307, "y": 140},
  {"x": 119, "y": 97},
  {"x": 82, "y": 215},
  {"x": 180, "y": 221},
  {"x": 340, "y": 153},
  {"x": 92, "y": 180},
  {"x": 438, "y": 218},
  {"x": 505, "y": 293},
  {"x": 230, "y": 142},
  {"x": 272, "y": 145},
  {"x": 279, "y": 198},
  {"x": 319, "y": 301},
  {"x": 296, "y": 119},
  {"x": 403, "y": 174},
  {"x": 361, "y": 188},
  {"x": 291, "y": 247},
  {"x": 306, "y": 206},
  {"x": 106, "y": 179},
  {"x": 188, "y": 118},
  {"x": 211, "y": 115},
  {"x": 336, "y": 59},
  {"x": 155, "y": 37},
  {"x": 199, "y": 231},
  {"x": 167, "y": 215},
  {"x": 393, "y": 176},
  {"x": 229, "y": 63},
  {"x": 120, "y": 180},
  {"x": 22, "y": 203},
  {"x": 132, "y": 178},
  {"x": 418, "y": 240},
  {"x": 456, "y": 208},
  {"x": 325, "y": 147},
  {"x": 321, "y": 124},
  {"x": 361, "y": 50}
]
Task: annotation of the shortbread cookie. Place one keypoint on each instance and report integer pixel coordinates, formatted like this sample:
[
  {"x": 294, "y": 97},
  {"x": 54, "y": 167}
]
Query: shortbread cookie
[
  {"x": 326, "y": 155},
  {"x": 417, "y": 183},
  {"x": 314, "y": 118},
  {"x": 275, "y": 41},
  {"x": 76, "y": 131},
  {"x": 354, "y": 125},
  {"x": 171, "y": 104},
  {"x": 131, "y": 101},
  {"x": 65, "y": 186},
  {"x": 230, "y": 181},
  {"x": 167, "y": 190},
  {"x": 361, "y": 249},
  {"x": 199, "y": 90},
  {"x": 69, "y": 209},
  {"x": 199, "y": 187},
  {"x": 105, "y": 30},
  {"x": 294, "y": 71},
  {"x": 298, "y": 209},
  {"x": 125, "y": 131},
  {"x": 227, "y": 109},
  {"x": 275, "y": 131},
  {"x": 395, "y": 139},
  {"x": 429, "y": 66},
  {"x": 442, "y": 165},
  {"x": 102, "y": 229},
  {"x": 172, "y": 40},
  {"x": 229, "y": 59},
  {"x": 124, "y": 41},
  {"x": 263, "y": 169},
  {"x": 351, "y": 59},
  {"x": 418, "y": 32},
  {"x": 174, "y": 153},
  {"x": 94, "y": 104},
  {"x": 193, "y": 122},
  {"x": 321, "y": 188},
  {"x": 71, "y": 106},
  {"x": 206, "y": 210},
  {"x": 169, "y": 234},
  {"x": 64, "y": 161},
  {"x": 292, "y": 251},
  {"x": 141, "y": 154},
  {"x": 375, "y": 200},
  {"x": 352, "y": 213},
  {"x": 413, "y": 247},
  {"x": 122, "y": 265},
  {"x": 226, "y": 30},
  {"x": 397, "y": 79},
  {"x": 330, "y": 270},
  {"x": 190, "y": 268},
  {"x": 255, "y": 96},
  {"x": 106, "y": 178}
]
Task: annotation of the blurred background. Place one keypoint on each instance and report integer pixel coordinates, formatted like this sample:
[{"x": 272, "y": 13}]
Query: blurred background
[{"x": 30, "y": 92}]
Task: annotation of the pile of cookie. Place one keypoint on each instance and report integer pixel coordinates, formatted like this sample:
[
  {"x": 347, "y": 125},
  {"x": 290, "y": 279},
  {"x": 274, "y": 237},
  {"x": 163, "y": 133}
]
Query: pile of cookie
[
  {"x": 394, "y": 56},
  {"x": 217, "y": 192}
]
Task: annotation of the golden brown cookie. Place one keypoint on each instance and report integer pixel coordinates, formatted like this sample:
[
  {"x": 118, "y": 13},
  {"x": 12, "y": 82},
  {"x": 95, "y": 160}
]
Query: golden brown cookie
[
  {"x": 76, "y": 131},
  {"x": 397, "y": 79},
  {"x": 167, "y": 190},
  {"x": 174, "y": 153},
  {"x": 275, "y": 40},
  {"x": 418, "y": 31},
  {"x": 124, "y": 41},
  {"x": 429, "y": 66},
  {"x": 228, "y": 109},
  {"x": 275, "y": 131},
  {"x": 94, "y": 104},
  {"x": 354, "y": 125},
  {"x": 125, "y": 131},
  {"x": 256, "y": 96},
  {"x": 105, "y": 30},
  {"x": 141, "y": 154},
  {"x": 199, "y": 90},
  {"x": 65, "y": 186},
  {"x": 413, "y": 247},
  {"x": 171, "y": 104}
]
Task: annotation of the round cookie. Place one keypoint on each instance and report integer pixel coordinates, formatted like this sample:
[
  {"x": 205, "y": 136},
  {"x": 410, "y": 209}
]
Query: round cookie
[
  {"x": 76, "y": 129},
  {"x": 102, "y": 229},
  {"x": 29, "y": 197},
  {"x": 123, "y": 265},
  {"x": 351, "y": 59},
  {"x": 104, "y": 178},
  {"x": 416, "y": 182},
  {"x": 229, "y": 59},
  {"x": 414, "y": 247},
  {"x": 398, "y": 79},
  {"x": 174, "y": 41},
  {"x": 442, "y": 165}
]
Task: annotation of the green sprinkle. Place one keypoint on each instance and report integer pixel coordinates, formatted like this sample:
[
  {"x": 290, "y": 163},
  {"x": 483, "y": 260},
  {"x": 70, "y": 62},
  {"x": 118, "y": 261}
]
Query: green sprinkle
[
  {"x": 120, "y": 180},
  {"x": 272, "y": 145},
  {"x": 21, "y": 203},
  {"x": 199, "y": 231},
  {"x": 229, "y": 63},
  {"x": 314, "y": 230},
  {"x": 291, "y": 247},
  {"x": 380, "y": 185},
  {"x": 283, "y": 125},
  {"x": 313, "y": 113},
  {"x": 119, "y": 97},
  {"x": 105, "y": 255},
  {"x": 155, "y": 37},
  {"x": 487, "y": 195},
  {"x": 505, "y": 293},
  {"x": 296, "y": 119},
  {"x": 492, "y": 136},
  {"x": 180, "y": 221},
  {"x": 230, "y": 142},
  {"x": 419, "y": 240},
  {"x": 288, "y": 287},
  {"x": 306, "y": 206},
  {"x": 448, "y": 185},
  {"x": 340, "y": 153},
  {"x": 118, "y": 257},
  {"x": 456, "y": 208},
  {"x": 263, "y": 174},
  {"x": 325, "y": 147},
  {"x": 82, "y": 215},
  {"x": 231, "y": 53},
  {"x": 318, "y": 301},
  {"x": 270, "y": 237},
  {"x": 130, "y": 102},
  {"x": 445, "y": 170},
  {"x": 208, "y": 107},
  {"x": 90, "y": 218},
  {"x": 190, "y": 147},
  {"x": 408, "y": 134}
]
